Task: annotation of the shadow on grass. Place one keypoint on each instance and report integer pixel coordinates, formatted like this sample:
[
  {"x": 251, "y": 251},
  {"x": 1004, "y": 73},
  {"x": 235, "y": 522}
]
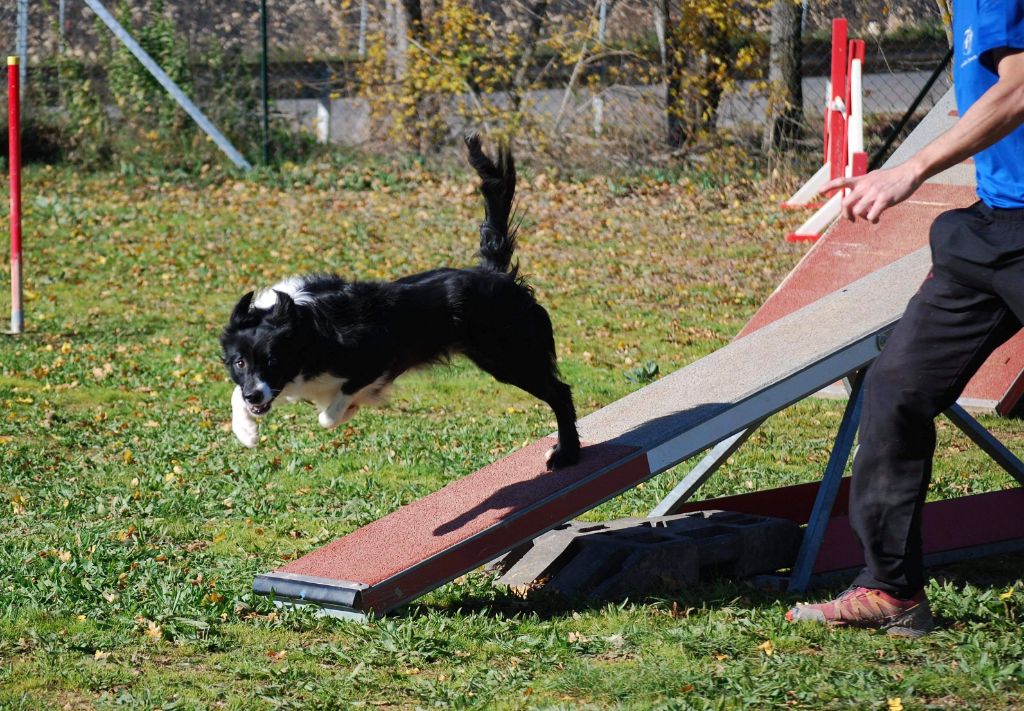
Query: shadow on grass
[
  {"x": 997, "y": 572},
  {"x": 500, "y": 602}
]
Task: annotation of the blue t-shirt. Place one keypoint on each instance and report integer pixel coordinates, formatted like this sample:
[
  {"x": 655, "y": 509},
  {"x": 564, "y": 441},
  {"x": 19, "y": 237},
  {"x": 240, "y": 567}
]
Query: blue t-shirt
[{"x": 979, "y": 27}]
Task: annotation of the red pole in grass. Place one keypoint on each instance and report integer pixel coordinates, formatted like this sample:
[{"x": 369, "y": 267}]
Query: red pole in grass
[{"x": 14, "y": 161}]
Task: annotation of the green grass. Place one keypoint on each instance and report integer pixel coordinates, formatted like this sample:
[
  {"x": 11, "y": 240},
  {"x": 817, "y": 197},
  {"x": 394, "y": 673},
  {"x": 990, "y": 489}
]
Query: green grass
[{"x": 132, "y": 522}]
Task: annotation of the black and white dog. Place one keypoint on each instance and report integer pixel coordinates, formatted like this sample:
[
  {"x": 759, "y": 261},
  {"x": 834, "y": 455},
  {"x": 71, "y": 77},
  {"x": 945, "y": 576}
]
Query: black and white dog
[{"x": 339, "y": 344}]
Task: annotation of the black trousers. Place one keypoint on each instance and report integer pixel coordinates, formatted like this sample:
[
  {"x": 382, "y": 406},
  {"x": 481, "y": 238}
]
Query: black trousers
[{"x": 970, "y": 304}]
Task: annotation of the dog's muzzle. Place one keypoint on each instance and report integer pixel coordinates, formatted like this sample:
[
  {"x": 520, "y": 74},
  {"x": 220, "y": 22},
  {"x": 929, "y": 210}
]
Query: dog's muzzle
[
  {"x": 259, "y": 401},
  {"x": 260, "y": 410}
]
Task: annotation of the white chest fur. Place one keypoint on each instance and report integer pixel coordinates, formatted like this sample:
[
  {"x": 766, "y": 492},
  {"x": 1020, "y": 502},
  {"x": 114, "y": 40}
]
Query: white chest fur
[{"x": 321, "y": 390}]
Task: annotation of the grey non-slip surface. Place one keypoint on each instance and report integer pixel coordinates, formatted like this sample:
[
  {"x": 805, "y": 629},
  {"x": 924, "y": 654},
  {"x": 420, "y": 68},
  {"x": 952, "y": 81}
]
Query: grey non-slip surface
[{"x": 710, "y": 387}]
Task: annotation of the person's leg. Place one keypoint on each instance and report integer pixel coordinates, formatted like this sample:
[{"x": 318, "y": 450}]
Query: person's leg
[
  {"x": 948, "y": 330},
  {"x": 946, "y": 333}
]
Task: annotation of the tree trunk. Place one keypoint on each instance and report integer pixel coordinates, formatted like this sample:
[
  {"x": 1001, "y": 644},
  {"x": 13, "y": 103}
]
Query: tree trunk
[
  {"x": 397, "y": 29},
  {"x": 784, "y": 119},
  {"x": 675, "y": 89},
  {"x": 414, "y": 14},
  {"x": 719, "y": 53},
  {"x": 946, "y": 13},
  {"x": 694, "y": 75},
  {"x": 538, "y": 14},
  {"x": 659, "y": 28}
]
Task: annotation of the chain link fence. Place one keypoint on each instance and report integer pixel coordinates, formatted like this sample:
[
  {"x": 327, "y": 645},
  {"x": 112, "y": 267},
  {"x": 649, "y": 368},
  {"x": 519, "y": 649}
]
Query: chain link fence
[{"x": 600, "y": 81}]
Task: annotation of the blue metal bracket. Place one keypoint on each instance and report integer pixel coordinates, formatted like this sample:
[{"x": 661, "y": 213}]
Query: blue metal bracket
[{"x": 814, "y": 534}]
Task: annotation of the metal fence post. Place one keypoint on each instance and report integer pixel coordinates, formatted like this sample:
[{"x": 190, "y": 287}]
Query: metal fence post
[
  {"x": 167, "y": 83},
  {"x": 21, "y": 43}
]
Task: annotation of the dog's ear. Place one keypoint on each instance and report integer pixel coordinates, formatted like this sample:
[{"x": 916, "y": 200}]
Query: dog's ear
[
  {"x": 284, "y": 309},
  {"x": 241, "y": 310}
]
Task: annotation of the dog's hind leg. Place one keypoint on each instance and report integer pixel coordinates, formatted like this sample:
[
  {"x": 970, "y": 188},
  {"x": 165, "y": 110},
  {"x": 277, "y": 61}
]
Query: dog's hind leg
[
  {"x": 559, "y": 398},
  {"x": 535, "y": 374},
  {"x": 340, "y": 410}
]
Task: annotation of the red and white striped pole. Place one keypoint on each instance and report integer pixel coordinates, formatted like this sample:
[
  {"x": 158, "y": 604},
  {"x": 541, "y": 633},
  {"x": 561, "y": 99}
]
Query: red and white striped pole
[{"x": 14, "y": 161}]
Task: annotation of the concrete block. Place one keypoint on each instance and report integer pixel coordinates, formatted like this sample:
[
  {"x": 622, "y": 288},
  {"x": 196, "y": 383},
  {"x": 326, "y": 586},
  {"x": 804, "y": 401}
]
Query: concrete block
[{"x": 632, "y": 556}]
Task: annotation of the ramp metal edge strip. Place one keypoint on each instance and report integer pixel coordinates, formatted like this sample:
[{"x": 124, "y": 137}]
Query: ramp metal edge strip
[{"x": 304, "y": 589}]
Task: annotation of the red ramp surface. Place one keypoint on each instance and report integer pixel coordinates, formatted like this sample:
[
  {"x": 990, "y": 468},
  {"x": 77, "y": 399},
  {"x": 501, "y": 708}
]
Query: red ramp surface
[
  {"x": 451, "y": 531},
  {"x": 849, "y": 251}
]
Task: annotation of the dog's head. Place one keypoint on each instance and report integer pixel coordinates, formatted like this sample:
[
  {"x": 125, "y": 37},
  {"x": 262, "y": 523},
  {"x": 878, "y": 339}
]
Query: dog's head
[{"x": 261, "y": 349}]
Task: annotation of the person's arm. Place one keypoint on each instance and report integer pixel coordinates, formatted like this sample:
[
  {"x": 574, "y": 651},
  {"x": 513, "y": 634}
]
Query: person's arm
[{"x": 994, "y": 115}]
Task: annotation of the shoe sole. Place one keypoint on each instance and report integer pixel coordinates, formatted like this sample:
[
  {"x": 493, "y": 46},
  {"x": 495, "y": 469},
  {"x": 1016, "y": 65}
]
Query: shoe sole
[{"x": 915, "y": 622}]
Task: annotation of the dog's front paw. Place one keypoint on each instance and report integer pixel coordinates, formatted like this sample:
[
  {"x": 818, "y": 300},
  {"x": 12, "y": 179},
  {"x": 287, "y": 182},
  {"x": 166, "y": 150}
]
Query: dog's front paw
[
  {"x": 248, "y": 433},
  {"x": 243, "y": 424},
  {"x": 559, "y": 456}
]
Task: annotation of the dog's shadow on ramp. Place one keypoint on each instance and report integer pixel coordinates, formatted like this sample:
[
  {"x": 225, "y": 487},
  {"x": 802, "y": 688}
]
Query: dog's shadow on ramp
[
  {"x": 659, "y": 429},
  {"x": 508, "y": 490},
  {"x": 533, "y": 486}
]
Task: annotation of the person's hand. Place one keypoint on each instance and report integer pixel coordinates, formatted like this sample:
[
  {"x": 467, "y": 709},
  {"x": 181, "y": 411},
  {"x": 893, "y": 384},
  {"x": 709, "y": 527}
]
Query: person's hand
[{"x": 872, "y": 194}]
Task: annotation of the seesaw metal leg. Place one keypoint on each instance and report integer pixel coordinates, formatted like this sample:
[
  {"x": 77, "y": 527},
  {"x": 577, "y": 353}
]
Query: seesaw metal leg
[
  {"x": 814, "y": 534},
  {"x": 707, "y": 466},
  {"x": 987, "y": 442}
]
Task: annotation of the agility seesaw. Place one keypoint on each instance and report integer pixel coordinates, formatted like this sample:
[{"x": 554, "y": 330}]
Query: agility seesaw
[
  {"x": 478, "y": 518},
  {"x": 802, "y": 340}
]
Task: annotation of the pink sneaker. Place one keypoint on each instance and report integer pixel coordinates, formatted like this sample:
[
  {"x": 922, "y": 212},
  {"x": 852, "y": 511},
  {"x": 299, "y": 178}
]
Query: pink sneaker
[{"x": 867, "y": 607}]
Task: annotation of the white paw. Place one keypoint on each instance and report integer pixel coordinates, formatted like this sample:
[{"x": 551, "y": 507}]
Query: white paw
[
  {"x": 243, "y": 424},
  {"x": 248, "y": 433},
  {"x": 329, "y": 420}
]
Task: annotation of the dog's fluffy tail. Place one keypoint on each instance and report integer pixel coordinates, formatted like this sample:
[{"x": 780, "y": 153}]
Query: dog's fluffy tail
[{"x": 498, "y": 186}]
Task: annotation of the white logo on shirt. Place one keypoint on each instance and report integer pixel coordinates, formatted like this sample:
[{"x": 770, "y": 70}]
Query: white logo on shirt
[{"x": 968, "y": 44}]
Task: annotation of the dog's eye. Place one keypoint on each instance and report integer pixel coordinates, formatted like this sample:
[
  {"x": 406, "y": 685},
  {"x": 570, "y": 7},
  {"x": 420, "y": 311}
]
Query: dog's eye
[{"x": 240, "y": 363}]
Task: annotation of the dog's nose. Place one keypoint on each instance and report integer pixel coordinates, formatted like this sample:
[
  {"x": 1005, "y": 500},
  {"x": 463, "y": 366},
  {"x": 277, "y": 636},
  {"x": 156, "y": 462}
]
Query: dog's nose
[{"x": 254, "y": 397}]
